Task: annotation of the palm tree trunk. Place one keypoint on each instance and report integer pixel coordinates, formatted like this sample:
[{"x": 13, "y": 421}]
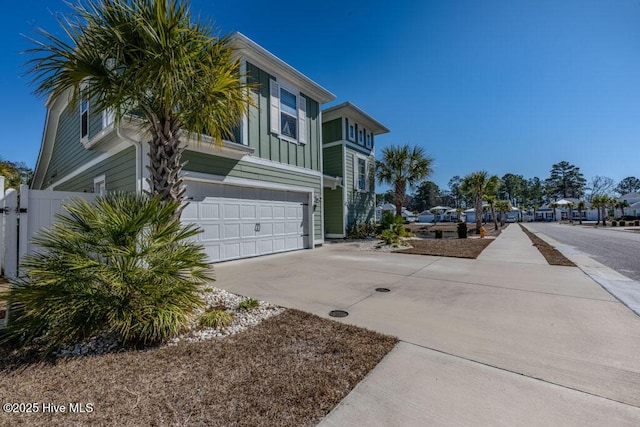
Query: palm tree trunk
[
  {"x": 165, "y": 167},
  {"x": 495, "y": 219},
  {"x": 478, "y": 213},
  {"x": 399, "y": 194}
]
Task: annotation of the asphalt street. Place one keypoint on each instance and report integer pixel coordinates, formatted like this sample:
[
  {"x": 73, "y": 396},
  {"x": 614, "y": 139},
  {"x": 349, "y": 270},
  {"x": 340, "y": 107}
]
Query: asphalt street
[{"x": 615, "y": 248}]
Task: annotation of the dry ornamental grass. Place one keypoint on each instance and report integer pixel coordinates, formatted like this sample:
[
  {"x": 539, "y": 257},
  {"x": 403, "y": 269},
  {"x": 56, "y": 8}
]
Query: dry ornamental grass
[
  {"x": 551, "y": 254},
  {"x": 290, "y": 370}
]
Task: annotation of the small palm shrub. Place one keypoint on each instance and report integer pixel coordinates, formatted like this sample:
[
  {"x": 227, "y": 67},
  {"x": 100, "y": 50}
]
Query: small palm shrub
[
  {"x": 438, "y": 234},
  {"x": 389, "y": 220},
  {"x": 360, "y": 230},
  {"x": 636, "y": 223},
  {"x": 389, "y": 237},
  {"x": 622, "y": 223},
  {"x": 248, "y": 304},
  {"x": 217, "y": 319},
  {"x": 123, "y": 265},
  {"x": 614, "y": 223}
]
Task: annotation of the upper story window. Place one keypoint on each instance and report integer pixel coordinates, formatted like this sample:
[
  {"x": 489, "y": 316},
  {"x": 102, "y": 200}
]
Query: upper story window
[
  {"x": 361, "y": 137},
  {"x": 84, "y": 118},
  {"x": 351, "y": 130},
  {"x": 288, "y": 113},
  {"x": 362, "y": 174},
  {"x": 107, "y": 118},
  {"x": 369, "y": 140}
]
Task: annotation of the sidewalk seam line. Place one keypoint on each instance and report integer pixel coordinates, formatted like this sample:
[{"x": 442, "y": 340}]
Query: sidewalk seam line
[{"x": 520, "y": 374}]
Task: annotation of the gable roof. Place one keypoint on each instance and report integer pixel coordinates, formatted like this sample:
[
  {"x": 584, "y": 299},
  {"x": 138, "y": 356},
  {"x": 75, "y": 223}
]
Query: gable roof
[
  {"x": 261, "y": 57},
  {"x": 349, "y": 109}
]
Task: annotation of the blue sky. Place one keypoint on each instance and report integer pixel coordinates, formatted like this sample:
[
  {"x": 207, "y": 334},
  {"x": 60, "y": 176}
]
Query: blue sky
[{"x": 496, "y": 85}]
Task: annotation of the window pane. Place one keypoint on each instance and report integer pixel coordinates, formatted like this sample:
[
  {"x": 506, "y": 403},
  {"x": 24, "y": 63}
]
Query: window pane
[
  {"x": 288, "y": 102},
  {"x": 362, "y": 166},
  {"x": 85, "y": 124},
  {"x": 288, "y": 125}
]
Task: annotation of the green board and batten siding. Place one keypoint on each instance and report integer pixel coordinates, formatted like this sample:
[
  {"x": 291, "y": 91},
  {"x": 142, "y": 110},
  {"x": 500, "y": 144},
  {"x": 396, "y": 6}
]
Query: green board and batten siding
[
  {"x": 360, "y": 205},
  {"x": 332, "y": 161},
  {"x": 271, "y": 147},
  {"x": 333, "y": 211},
  {"x": 332, "y": 130},
  {"x": 68, "y": 152},
  {"x": 209, "y": 164},
  {"x": 119, "y": 171}
]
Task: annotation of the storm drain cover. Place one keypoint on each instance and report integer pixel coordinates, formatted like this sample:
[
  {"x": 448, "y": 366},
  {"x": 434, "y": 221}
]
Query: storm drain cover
[
  {"x": 338, "y": 313},
  {"x": 383, "y": 290}
]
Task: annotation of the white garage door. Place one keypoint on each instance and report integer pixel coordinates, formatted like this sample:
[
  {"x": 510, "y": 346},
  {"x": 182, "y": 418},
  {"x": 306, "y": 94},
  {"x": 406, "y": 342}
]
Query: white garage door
[{"x": 240, "y": 222}]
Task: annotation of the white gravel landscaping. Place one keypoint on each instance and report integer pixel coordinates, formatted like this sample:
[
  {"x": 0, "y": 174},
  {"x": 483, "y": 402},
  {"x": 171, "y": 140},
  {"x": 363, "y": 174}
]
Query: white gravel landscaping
[{"x": 213, "y": 297}]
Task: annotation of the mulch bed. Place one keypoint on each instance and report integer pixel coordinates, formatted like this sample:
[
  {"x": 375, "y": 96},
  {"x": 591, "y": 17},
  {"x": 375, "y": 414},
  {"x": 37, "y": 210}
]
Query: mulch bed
[
  {"x": 290, "y": 370},
  {"x": 551, "y": 254},
  {"x": 457, "y": 248}
]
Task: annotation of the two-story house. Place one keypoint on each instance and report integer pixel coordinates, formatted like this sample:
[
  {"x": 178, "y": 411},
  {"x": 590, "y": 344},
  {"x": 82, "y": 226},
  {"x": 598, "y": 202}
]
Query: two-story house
[
  {"x": 259, "y": 194},
  {"x": 348, "y": 141}
]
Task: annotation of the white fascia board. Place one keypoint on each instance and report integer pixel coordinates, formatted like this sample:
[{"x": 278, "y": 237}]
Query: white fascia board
[
  {"x": 55, "y": 107},
  {"x": 349, "y": 110},
  {"x": 259, "y": 56}
]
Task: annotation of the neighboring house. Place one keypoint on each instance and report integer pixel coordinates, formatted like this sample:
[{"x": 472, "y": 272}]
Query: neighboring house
[
  {"x": 261, "y": 193},
  {"x": 391, "y": 208},
  {"x": 348, "y": 135}
]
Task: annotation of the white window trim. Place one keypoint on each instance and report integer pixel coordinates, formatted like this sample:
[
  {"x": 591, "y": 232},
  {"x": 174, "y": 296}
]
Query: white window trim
[
  {"x": 369, "y": 140},
  {"x": 349, "y": 137},
  {"x": 356, "y": 173},
  {"x": 361, "y": 132},
  {"x": 108, "y": 117},
  {"x": 100, "y": 181},
  {"x": 301, "y": 107},
  {"x": 84, "y": 138}
]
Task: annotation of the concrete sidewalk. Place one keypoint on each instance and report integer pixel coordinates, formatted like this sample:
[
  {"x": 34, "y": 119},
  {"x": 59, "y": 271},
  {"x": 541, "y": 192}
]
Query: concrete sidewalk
[
  {"x": 484, "y": 342},
  {"x": 512, "y": 245}
]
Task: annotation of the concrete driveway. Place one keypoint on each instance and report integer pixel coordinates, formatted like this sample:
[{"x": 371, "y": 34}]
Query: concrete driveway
[{"x": 484, "y": 342}]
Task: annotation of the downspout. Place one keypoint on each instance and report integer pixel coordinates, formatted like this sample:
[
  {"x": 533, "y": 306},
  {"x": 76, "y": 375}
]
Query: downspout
[{"x": 139, "y": 160}]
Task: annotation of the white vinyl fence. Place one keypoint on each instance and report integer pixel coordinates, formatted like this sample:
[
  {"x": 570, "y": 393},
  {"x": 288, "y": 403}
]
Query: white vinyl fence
[{"x": 21, "y": 217}]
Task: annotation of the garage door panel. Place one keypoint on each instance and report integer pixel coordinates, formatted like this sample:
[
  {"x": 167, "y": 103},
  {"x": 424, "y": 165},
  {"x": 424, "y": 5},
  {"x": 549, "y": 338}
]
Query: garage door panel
[
  {"x": 248, "y": 230},
  {"x": 209, "y": 210},
  {"x": 279, "y": 212},
  {"x": 190, "y": 213},
  {"x": 249, "y": 248},
  {"x": 266, "y": 213},
  {"x": 210, "y": 232},
  {"x": 249, "y": 212},
  {"x": 279, "y": 244},
  {"x": 266, "y": 229},
  {"x": 231, "y": 210},
  {"x": 231, "y": 231},
  {"x": 278, "y": 228},
  {"x": 266, "y": 246}
]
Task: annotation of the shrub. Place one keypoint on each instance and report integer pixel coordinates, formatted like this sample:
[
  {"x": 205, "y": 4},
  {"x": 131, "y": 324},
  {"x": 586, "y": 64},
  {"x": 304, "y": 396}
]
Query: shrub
[
  {"x": 636, "y": 223},
  {"x": 438, "y": 234},
  {"x": 217, "y": 319},
  {"x": 122, "y": 265},
  {"x": 248, "y": 304},
  {"x": 462, "y": 230},
  {"x": 614, "y": 223},
  {"x": 389, "y": 237},
  {"x": 360, "y": 230},
  {"x": 622, "y": 223},
  {"x": 389, "y": 219}
]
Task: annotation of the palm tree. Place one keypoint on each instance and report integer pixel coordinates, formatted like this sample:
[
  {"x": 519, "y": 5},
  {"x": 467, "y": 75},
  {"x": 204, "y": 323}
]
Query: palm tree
[
  {"x": 553, "y": 206},
  {"x": 503, "y": 206},
  {"x": 148, "y": 59},
  {"x": 491, "y": 201},
  {"x": 535, "y": 208},
  {"x": 621, "y": 205},
  {"x": 581, "y": 206},
  {"x": 570, "y": 206},
  {"x": 600, "y": 202},
  {"x": 476, "y": 185},
  {"x": 401, "y": 166}
]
